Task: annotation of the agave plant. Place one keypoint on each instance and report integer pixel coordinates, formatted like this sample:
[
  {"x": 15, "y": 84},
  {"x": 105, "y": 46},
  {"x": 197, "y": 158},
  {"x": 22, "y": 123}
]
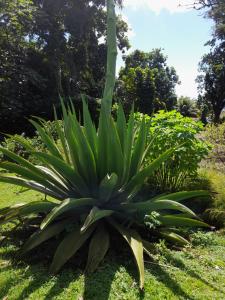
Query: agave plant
[{"x": 94, "y": 176}]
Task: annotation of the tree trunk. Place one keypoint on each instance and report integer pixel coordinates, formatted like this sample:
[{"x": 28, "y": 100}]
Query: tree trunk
[{"x": 217, "y": 113}]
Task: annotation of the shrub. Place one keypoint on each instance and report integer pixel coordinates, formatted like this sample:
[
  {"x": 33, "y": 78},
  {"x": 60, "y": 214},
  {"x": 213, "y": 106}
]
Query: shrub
[
  {"x": 215, "y": 213},
  {"x": 212, "y": 209},
  {"x": 202, "y": 239},
  {"x": 10, "y": 144},
  {"x": 15, "y": 143},
  {"x": 171, "y": 129}
]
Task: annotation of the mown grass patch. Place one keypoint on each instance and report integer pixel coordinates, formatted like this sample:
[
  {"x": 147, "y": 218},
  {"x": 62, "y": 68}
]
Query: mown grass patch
[{"x": 195, "y": 273}]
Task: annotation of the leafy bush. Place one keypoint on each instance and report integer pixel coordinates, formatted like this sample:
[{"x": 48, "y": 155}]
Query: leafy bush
[
  {"x": 15, "y": 142},
  {"x": 215, "y": 213},
  {"x": 216, "y": 185},
  {"x": 203, "y": 239},
  {"x": 171, "y": 129},
  {"x": 212, "y": 209}
]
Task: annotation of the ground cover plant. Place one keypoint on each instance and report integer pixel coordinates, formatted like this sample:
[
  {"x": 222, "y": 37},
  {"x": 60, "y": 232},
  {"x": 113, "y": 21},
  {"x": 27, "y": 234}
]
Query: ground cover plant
[{"x": 94, "y": 179}]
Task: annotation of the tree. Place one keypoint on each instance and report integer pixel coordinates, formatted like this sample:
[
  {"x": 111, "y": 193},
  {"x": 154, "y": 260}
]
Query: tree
[
  {"x": 215, "y": 9},
  {"x": 211, "y": 83},
  {"x": 49, "y": 48},
  {"x": 200, "y": 4},
  {"x": 138, "y": 86},
  {"x": 187, "y": 107},
  {"x": 147, "y": 81}
]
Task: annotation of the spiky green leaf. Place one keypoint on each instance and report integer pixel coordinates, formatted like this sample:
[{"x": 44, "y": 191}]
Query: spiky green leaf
[
  {"x": 98, "y": 247},
  {"x": 66, "y": 205},
  {"x": 95, "y": 215},
  {"x": 135, "y": 243},
  {"x": 68, "y": 247}
]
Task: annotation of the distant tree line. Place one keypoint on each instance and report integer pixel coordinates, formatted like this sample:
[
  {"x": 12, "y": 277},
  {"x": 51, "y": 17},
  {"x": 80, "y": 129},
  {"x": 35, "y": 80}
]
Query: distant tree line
[
  {"x": 51, "y": 48},
  {"x": 58, "y": 47}
]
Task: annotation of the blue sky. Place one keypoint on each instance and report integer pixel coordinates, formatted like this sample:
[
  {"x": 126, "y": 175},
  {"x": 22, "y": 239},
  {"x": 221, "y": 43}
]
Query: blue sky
[{"x": 181, "y": 32}]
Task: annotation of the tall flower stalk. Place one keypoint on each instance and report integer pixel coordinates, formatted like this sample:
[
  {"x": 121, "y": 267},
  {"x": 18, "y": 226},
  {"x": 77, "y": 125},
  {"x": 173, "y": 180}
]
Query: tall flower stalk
[{"x": 111, "y": 58}]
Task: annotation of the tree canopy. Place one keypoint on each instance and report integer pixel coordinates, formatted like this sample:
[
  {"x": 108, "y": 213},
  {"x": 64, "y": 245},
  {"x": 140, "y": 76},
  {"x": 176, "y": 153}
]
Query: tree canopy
[
  {"x": 51, "y": 48},
  {"x": 212, "y": 66},
  {"x": 212, "y": 81},
  {"x": 147, "y": 81}
]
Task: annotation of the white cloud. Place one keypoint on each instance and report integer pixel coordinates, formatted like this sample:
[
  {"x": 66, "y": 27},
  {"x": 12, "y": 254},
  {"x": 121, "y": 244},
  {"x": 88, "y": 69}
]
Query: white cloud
[{"x": 158, "y": 5}]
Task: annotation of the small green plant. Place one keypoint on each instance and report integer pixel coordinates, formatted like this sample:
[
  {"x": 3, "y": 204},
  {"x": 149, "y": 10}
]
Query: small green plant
[
  {"x": 95, "y": 177},
  {"x": 171, "y": 129},
  {"x": 14, "y": 143},
  {"x": 203, "y": 239}
]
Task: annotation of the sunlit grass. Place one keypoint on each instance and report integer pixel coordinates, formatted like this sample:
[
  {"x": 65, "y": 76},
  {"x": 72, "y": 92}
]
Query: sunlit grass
[{"x": 195, "y": 273}]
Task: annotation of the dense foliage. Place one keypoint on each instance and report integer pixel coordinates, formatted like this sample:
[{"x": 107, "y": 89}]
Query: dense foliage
[
  {"x": 215, "y": 134},
  {"x": 15, "y": 143},
  {"x": 187, "y": 107},
  {"x": 211, "y": 82},
  {"x": 49, "y": 48},
  {"x": 214, "y": 214},
  {"x": 147, "y": 81},
  {"x": 211, "y": 79},
  {"x": 172, "y": 129}
]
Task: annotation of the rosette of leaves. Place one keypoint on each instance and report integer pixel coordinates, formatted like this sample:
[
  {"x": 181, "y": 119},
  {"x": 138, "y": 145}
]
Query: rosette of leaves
[{"x": 94, "y": 177}]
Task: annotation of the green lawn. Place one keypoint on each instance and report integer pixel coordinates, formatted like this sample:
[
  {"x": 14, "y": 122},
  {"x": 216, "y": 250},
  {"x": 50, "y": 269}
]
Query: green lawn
[{"x": 194, "y": 273}]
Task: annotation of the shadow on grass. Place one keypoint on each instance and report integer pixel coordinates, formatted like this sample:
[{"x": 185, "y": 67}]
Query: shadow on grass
[
  {"x": 177, "y": 262},
  {"x": 97, "y": 286},
  {"x": 30, "y": 278},
  {"x": 162, "y": 276}
]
